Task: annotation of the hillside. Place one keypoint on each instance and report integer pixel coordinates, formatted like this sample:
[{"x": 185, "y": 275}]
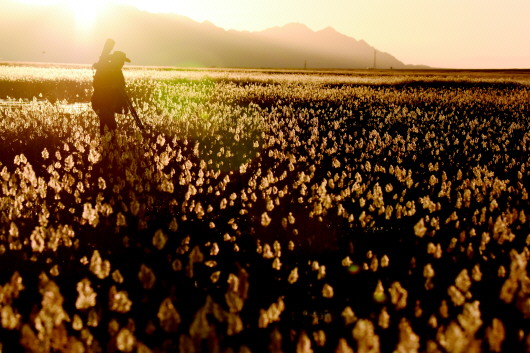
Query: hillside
[{"x": 48, "y": 34}]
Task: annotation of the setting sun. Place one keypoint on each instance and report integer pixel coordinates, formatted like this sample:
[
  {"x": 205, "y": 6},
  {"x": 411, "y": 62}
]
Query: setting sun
[{"x": 85, "y": 13}]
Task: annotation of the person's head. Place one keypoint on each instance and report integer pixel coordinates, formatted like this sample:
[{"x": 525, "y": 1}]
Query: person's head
[{"x": 119, "y": 58}]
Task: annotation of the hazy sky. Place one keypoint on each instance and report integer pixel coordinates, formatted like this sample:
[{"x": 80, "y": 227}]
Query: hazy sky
[{"x": 439, "y": 33}]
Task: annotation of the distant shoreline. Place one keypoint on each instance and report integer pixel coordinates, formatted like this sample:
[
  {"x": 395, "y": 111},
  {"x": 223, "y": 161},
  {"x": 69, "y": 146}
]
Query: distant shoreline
[{"x": 272, "y": 69}]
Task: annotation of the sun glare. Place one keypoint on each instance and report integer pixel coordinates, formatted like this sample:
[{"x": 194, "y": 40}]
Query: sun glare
[
  {"x": 85, "y": 12},
  {"x": 40, "y": 2}
]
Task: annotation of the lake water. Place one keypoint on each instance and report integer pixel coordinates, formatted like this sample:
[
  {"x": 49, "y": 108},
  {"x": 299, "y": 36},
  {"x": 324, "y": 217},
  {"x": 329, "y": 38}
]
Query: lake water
[{"x": 65, "y": 108}]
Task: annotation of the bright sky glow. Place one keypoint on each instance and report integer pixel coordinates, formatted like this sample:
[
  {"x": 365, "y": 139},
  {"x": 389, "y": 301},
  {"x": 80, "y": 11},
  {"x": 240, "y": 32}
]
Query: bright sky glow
[
  {"x": 40, "y": 2},
  {"x": 449, "y": 33},
  {"x": 85, "y": 12}
]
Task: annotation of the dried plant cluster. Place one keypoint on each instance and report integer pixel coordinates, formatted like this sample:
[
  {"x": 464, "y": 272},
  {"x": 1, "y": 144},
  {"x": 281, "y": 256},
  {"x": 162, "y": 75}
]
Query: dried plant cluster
[{"x": 265, "y": 212}]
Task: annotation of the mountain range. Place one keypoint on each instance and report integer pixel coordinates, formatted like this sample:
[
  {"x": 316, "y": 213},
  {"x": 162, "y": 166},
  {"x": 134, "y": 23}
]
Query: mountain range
[{"x": 48, "y": 34}]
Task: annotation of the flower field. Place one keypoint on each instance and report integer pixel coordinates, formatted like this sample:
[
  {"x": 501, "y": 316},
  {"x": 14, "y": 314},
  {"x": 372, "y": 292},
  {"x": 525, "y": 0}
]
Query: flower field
[{"x": 266, "y": 211}]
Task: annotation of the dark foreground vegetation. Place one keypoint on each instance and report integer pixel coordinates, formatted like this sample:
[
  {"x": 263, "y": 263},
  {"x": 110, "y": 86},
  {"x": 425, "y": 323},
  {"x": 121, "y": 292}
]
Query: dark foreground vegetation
[{"x": 266, "y": 212}]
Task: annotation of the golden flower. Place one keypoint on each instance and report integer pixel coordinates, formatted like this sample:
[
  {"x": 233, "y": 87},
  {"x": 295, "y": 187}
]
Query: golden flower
[
  {"x": 77, "y": 323},
  {"x": 272, "y": 314},
  {"x": 379, "y": 293},
  {"x": 408, "y": 341},
  {"x": 86, "y": 296},
  {"x": 168, "y": 316},
  {"x": 398, "y": 295},
  {"x": 265, "y": 219},
  {"x": 159, "y": 239},
  {"x": 364, "y": 334},
  {"x": 304, "y": 344},
  {"x": 420, "y": 229},
  {"x": 348, "y": 315},
  {"x": 343, "y": 347},
  {"x": 98, "y": 266},
  {"x": 470, "y": 319},
  {"x": 496, "y": 334},
  {"x": 117, "y": 277},
  {"x": 119, "y": 300},
  {"x": 456, "y": 296},
  {"x": 462, "y": 281},
  {"x": 10, "y": 318},
  {"x": 147, "y": 277},
  {"x": 125, "y": 341},
  {"x": 293, "y": 276},
  {"x": 276, "y": 264}
]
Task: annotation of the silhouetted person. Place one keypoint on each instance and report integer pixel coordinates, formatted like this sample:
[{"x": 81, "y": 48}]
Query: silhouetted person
[{"x": 109, "y": 90}]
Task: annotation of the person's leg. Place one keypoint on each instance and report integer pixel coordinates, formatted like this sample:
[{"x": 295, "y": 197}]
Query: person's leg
[{"x": 106, "y": 118}]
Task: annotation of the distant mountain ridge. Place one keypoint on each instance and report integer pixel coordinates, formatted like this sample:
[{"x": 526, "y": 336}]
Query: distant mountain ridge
[{"x": 48, "y": 34}]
